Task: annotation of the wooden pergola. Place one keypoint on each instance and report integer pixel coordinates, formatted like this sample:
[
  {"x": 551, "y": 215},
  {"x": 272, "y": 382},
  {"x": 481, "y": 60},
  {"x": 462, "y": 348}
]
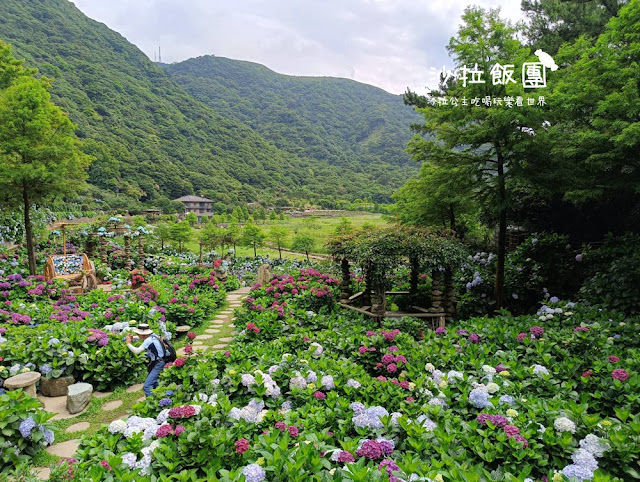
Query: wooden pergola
[{"x": 379, "y": 252}]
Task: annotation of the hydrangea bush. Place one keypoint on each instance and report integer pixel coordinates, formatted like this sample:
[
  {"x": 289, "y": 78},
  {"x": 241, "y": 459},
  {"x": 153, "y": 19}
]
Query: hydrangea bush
[{"x": 322, "y": 394}]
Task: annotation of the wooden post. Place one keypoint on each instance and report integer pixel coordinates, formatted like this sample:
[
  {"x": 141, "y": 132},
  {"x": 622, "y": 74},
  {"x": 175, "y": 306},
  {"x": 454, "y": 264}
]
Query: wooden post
[
  {"x": 127, "y": 252},
  {"x": 436, "y": 291},
  {"x": 345, "y": 285},
  {"x": 140, "y": 253},
  {"x": 366, "y": 297},
  {"x": 450, "y": 301},
  {"x": 200, "y": 262},
  {"x": 64, "y": 241},
  {"x": 103, "y": 249},
  {"x": 90, "y": 245},
  {"x": 415, "y": 266}
]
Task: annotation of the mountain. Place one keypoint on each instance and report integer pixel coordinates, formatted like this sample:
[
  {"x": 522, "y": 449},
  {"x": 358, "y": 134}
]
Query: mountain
[
  {"x": 153, "y": 141},
  {"x": 345, "y": 123}
]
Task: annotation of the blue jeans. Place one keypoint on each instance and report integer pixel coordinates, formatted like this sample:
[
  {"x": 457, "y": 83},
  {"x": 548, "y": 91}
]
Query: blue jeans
[{"x": 152, "y": 379}]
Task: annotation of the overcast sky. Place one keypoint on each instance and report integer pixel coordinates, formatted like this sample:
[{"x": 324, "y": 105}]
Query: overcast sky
[{"x": 393, "y": 44}]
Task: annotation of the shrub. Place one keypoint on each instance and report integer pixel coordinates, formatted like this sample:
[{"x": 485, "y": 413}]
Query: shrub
[{"x": 24, "y": 428}]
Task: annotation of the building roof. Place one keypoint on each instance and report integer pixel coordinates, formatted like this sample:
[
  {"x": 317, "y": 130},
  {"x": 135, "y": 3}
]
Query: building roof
[{"x": 193, "y": 199}]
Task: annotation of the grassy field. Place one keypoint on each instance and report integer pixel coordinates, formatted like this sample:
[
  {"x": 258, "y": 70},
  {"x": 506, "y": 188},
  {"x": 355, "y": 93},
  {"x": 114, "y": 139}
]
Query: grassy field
[{"x": 320, "y": 228}]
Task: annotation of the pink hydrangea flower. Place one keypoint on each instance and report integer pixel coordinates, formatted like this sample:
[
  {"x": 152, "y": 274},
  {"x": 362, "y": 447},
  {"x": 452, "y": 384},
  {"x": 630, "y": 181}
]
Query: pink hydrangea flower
[
  {"x": 319, "y": 395},
  {"x": 613, "y": 359},
  {"x": 242, "y": 445},
  {"x": 620, "y": 374}
]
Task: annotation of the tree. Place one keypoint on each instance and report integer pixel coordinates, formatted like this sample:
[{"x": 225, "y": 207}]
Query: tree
[
  {"x": 437, "y": 197},
  {"x": 282, "y": 218},
  {"x": 554, "y": 22},
  {"x": 344, "y": 227},
  {"x": 273, "y": 216},
  {"x": 212, "y": 236},
  {"x": 40, "y": 157},
  {"x": 278, "y": 235},
  {"x": 192, "y": 219},
  {"x": 595, "y": 128},
  {"x": 488, "y": 146},
  {"x": 234, "y": 233},
  {"x": 180, "y": 233},
  {"x": 303, "y": 243},
  {"x": 252, "y": 236},
  {"x": 162, "y": 231}
]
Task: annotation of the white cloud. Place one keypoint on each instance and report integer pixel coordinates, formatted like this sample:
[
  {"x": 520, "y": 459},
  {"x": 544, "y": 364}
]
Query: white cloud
[{"x": 393, "y": 44}]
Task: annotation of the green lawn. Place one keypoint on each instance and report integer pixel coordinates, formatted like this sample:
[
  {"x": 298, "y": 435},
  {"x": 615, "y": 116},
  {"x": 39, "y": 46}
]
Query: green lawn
[{"x": 320, "y": 228}]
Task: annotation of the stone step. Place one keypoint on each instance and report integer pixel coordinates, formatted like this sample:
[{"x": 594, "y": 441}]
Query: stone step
[
  {"x": 64, "y": 449},
  {"x": 135, "y": 388},
  {"x": 78, "y": 427},
  {"x": 112, "y": 405}
]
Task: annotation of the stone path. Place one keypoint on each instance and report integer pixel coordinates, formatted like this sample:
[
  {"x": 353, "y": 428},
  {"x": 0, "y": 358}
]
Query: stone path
[{"x": 221, "y": 323}]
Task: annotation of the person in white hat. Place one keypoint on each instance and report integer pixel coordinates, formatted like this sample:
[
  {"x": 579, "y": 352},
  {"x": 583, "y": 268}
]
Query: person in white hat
[{"x": 152, "y": 344}]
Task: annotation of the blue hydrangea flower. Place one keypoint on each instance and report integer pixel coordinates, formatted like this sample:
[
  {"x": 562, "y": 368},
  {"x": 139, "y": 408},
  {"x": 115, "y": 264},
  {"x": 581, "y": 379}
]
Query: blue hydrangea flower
[
  {"x": 164, "y": 402},
  {"x": 254, "y": 473},
  {"x": 47, "y": 434},
  {"x": 479, "y": 398},
  {"x": 169, "y": 392},
  {"x": 581, "y": 473},
  {"x": 53, "y": 341},
  {"x": 45, "y": 369},
  {"x": 508, "y": 399},
  {"x": 26, "y": 426}
]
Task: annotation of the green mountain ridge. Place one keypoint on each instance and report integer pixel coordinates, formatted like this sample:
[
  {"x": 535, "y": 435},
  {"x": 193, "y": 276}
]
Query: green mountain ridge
[
  {"x": 340, "y": 121},
  {"x": 153, "y": 141}
]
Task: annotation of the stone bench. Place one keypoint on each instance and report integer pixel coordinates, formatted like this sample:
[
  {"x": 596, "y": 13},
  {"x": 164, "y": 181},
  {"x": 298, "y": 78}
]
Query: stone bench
[
  {"x": 183, "y": 329},
  {"x": 27, "y": 381}
]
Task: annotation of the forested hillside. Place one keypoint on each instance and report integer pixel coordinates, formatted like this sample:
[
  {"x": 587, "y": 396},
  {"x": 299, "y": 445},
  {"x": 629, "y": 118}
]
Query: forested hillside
[
  {"x": 152, "y": 140},
  {"x": 345, "y": 123}
]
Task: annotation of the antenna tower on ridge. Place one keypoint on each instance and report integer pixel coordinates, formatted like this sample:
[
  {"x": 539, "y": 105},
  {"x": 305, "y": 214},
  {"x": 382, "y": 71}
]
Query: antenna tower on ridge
[{"x": 159, "y": 55}]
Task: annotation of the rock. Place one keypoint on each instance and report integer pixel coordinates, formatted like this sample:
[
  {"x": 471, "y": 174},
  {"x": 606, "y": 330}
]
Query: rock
[
  {"x": 264, "y": 274},
  {"x": 78, "y": 397},
  {"x": 55, "y": 387},
  {"x": 26, "y": 381}
]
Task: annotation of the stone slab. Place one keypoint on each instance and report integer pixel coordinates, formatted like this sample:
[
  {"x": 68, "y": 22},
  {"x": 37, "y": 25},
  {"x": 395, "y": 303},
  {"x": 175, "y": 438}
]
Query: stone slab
[
  {"x": 112, "y": 405},
  {"x": 211, "y": 330},
  {"x": 64, "y": 449},
  {"x": 78, "y": 427},
  {"x": 42, "y": 473},
  {"x": 204, "y": 337},
  {"x": 219, "y": 347},
  {"x": 135, "y": 388},
  {"x": 219, "y": 322},
  {"x": 101, "y": 394},
  {"x": 227, "y": 339}
]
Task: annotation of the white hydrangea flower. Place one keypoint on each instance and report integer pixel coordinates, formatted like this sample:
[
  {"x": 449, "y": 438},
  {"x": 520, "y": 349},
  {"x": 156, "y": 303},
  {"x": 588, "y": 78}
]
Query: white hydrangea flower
[
  {"x": 492, "y": 387},
  {"x": 489, "y": 370},
  {"x": 327, "y": 382},
  {"x": 429, "y": 367},
  {"x": 318, "y": 348},
  {"x": 540, "y": 370},
  {"x": 353, "y": 383},
  {"x": 563, "y": 424},
  {"x": 117, "y": 426}
]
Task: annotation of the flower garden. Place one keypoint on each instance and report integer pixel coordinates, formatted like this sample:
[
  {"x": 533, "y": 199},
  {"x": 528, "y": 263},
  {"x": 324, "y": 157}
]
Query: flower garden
[{"x": 309, "y": 391}]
